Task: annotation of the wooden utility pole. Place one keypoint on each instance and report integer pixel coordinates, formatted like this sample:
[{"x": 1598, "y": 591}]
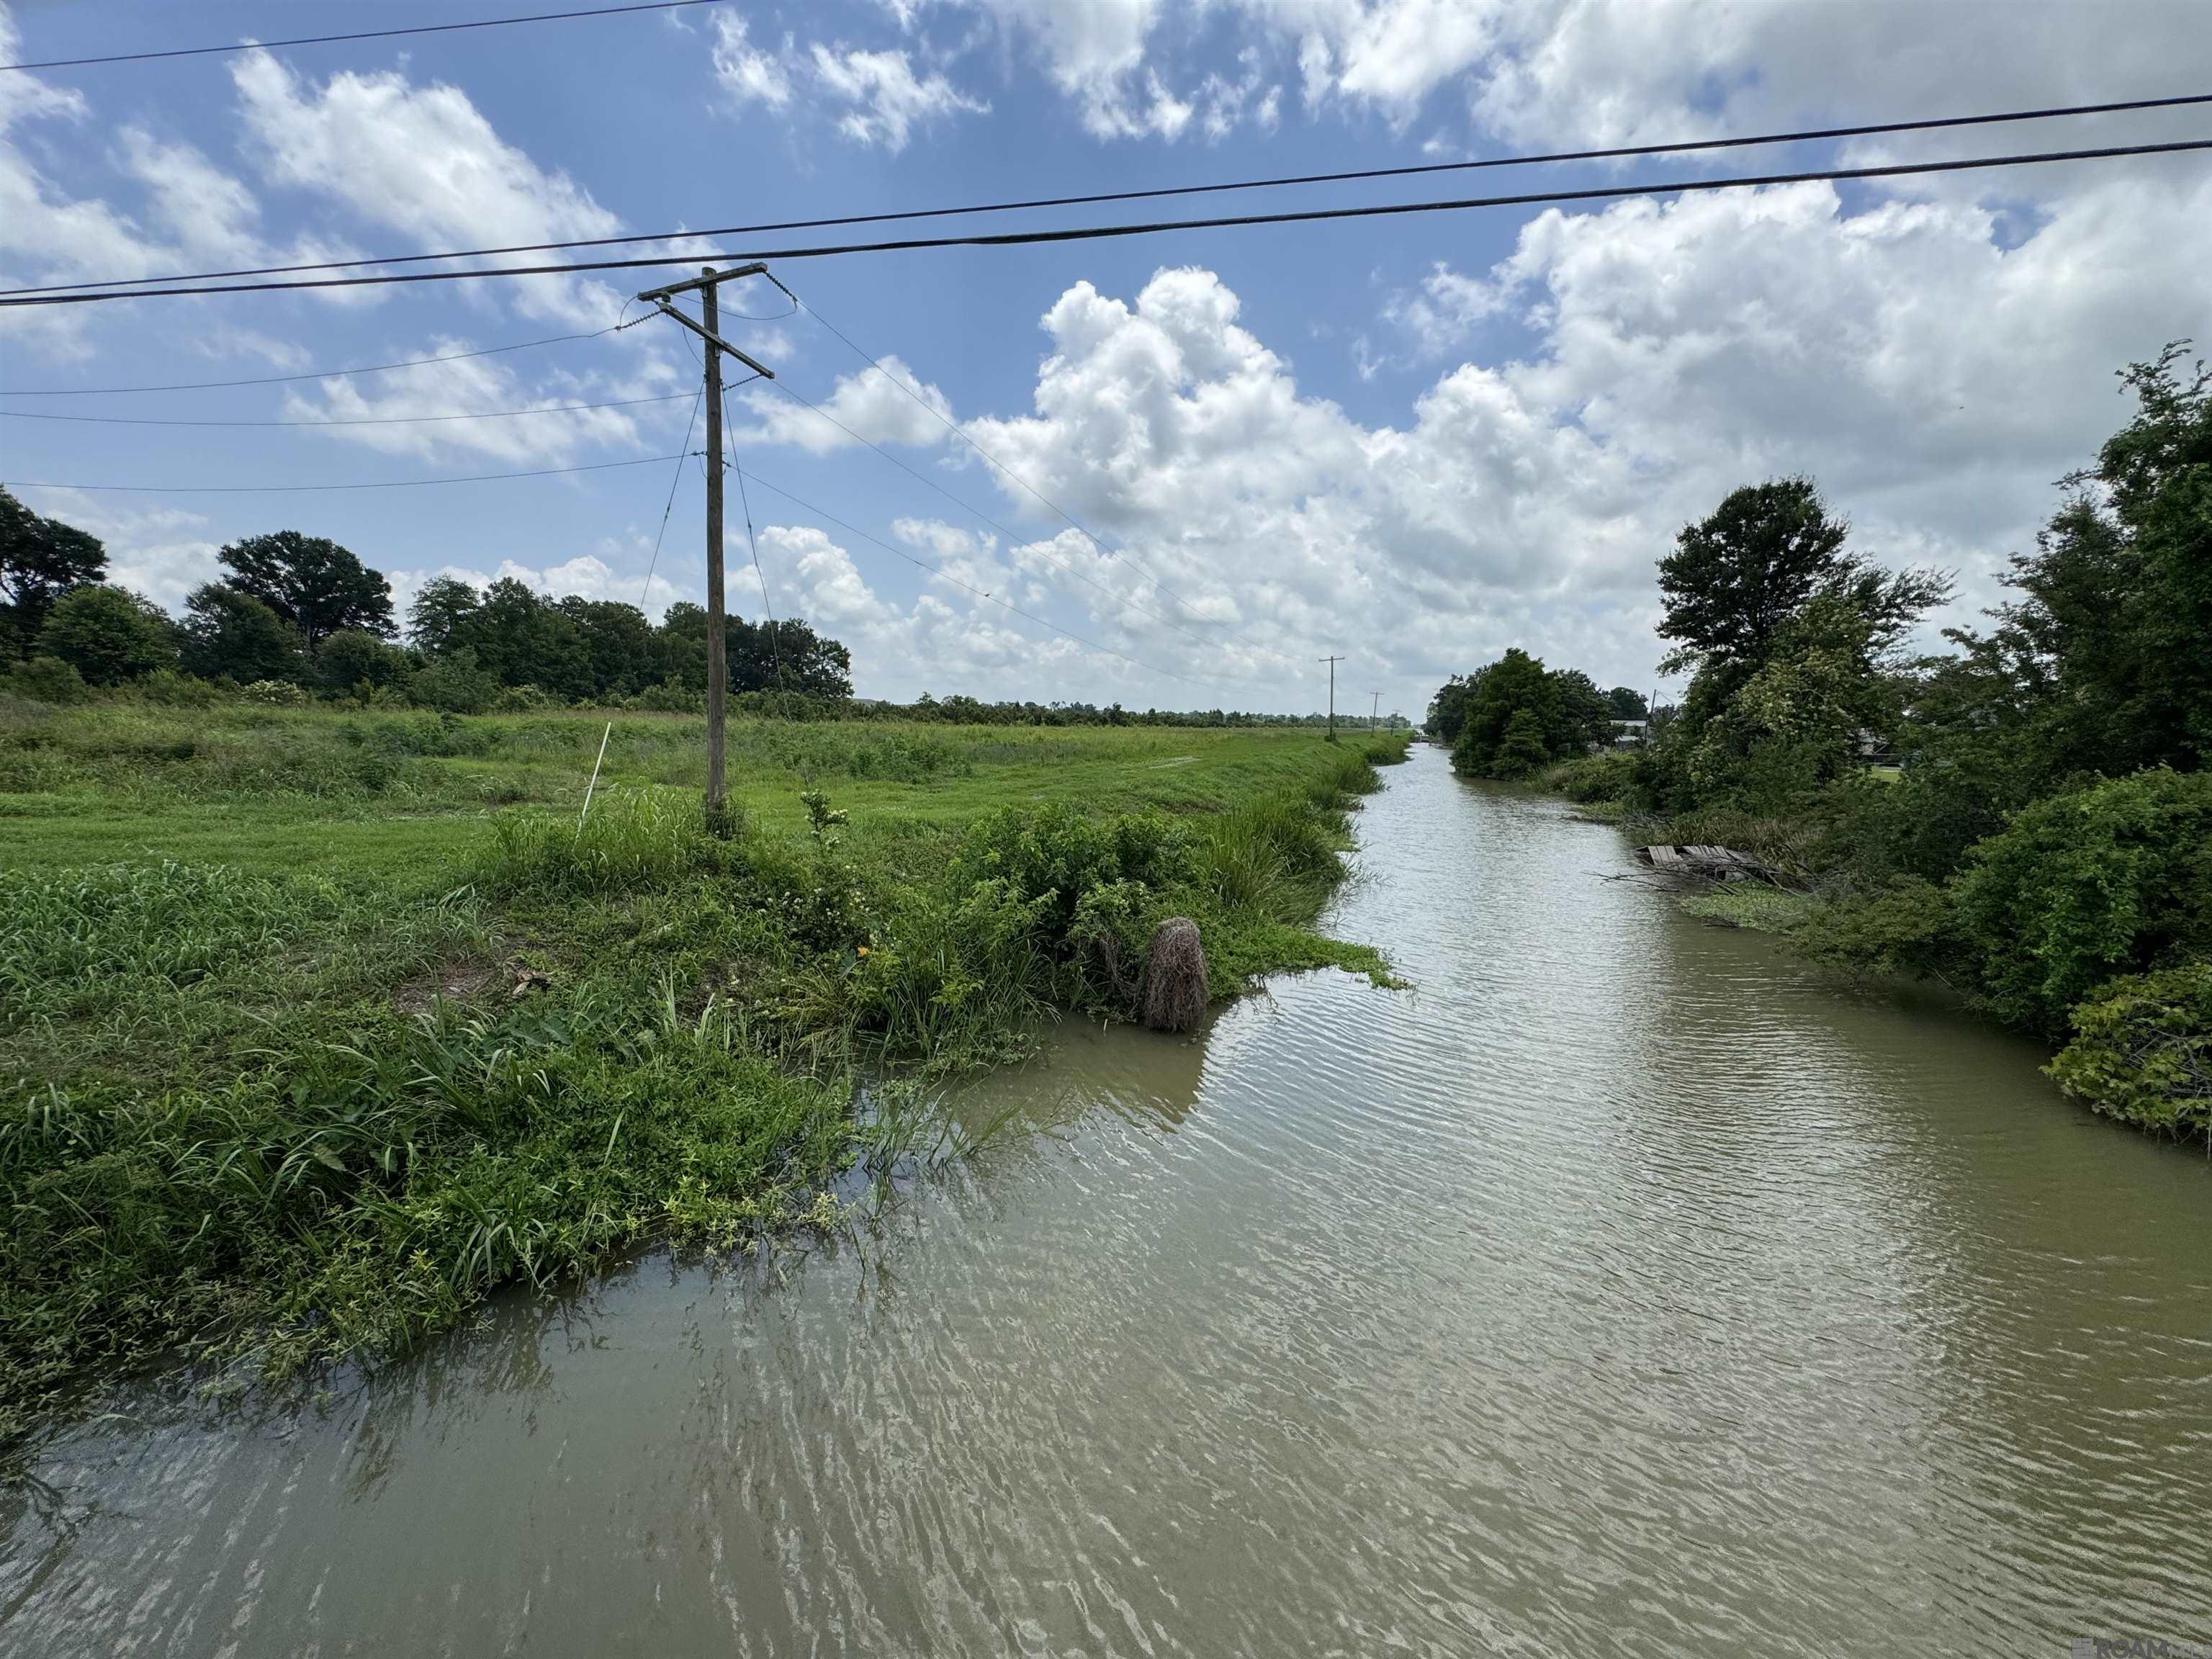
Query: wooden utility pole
[
  {"x": 718, "y": 644},
  {"x": 1332, "y": 662},
  {"x": 1375, "y": 715},
  {"x": 717, "y": 660}
]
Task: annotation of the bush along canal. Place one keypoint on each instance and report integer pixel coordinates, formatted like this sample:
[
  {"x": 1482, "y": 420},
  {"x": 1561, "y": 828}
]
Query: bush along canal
[{"x": 1626, "y": 1287}]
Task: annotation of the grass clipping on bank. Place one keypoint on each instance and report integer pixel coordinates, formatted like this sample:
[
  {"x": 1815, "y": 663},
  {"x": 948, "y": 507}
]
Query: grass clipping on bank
[{"x": 236, "y": 1134}]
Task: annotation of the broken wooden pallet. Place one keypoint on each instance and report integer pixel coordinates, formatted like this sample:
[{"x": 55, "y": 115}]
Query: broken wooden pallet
[{"x": 1713, "y": 863}]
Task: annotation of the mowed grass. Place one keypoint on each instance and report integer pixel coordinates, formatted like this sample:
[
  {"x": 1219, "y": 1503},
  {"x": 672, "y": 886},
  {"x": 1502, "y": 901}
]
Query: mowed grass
[
  {"x": 317, "y": 1026},
  {"x": 312, "y": 790}
]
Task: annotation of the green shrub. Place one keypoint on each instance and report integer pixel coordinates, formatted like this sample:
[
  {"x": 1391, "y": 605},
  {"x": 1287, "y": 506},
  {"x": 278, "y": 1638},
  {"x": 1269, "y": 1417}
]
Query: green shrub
[
  {"x": 2142, "y": 1050},
  {"x": 453, "y": 683},
  {"x": 273, "y": 694},
  {"x": 355, "y": 661},
  {"x": 170, "y": 690},
  {"x": 45, "y": 679},
  {"x": 524, "y": 700},
  {"x": 2113, "y": 879},
  {"x": 1052, "y": 853},
  {"x": 670, "y": 699},
  {"x": 1604, "y": 777},
  {"x": 1906, "y": 927}
]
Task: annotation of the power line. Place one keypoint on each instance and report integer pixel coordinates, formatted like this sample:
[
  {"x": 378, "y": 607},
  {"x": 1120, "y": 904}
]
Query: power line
[
  {"x": 355, "y": 420},
  {"x": 310, "y": 375},
  {"x": 645, "y": 590},
  {"x": 364, "y": 34},
  {"x": 1097, "y": 233},
  {"x": 381, "y": 483},
  {"x": 942, "y": 574},
  {"x": 1112, "y": 552},
  {"x": 1621, "y": 152}
]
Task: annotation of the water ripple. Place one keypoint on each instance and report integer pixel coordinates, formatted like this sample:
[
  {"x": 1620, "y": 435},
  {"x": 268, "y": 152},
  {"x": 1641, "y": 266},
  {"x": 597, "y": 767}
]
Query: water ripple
[{"x": 1623, "y": 1288}]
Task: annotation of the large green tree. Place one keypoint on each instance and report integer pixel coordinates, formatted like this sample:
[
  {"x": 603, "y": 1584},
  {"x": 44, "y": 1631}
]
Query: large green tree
[
  {"x": 786, "y": 655},
  {"x": 230, "y": 633},
  {"x": 525, "y": 639},
  {"x": 1738, "y": 577},
  {"x": 110, "y": 635},
  {"x": 1582, "y": 718},
  {"x": 311, "y": 582},
  {"x": 1514, "y": 683},
  {"x": 438, "y": 621},
  {"x": 1447, "y": 712},
  {"x": 2110, "y": 641},
  {"x": 40, "y": 560},
  {"x": 617, "y": 644}
]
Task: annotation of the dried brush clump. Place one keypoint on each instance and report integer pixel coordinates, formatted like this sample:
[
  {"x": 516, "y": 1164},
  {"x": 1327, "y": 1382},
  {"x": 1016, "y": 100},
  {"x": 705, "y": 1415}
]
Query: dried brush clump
[{"x": 1175, "y": 977}]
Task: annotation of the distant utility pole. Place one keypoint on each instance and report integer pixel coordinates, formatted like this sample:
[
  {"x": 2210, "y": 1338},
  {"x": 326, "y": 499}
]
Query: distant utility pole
[
  {"x": 1375, "y": 715},
  {"x": 718, "y": 664},
  {"x": 1332, "y": 662}
]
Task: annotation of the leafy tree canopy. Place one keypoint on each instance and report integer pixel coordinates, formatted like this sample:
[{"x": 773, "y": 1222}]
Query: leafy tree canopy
[
  {"x": 2105, "y": 650},
  {"x": 1737, "y": 579},
  {"x": 110, "y": 635},
  {"x": 230, "y": 633},
  {"x": 310, "y": 582},
  {"x": 41, "y": 559},
  {"x": 350, "y": 659}
]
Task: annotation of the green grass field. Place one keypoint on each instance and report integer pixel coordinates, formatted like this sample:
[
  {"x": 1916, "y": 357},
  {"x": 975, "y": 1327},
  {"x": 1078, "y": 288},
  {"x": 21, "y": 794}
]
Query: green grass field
[{"x": 316, "y": 1026}]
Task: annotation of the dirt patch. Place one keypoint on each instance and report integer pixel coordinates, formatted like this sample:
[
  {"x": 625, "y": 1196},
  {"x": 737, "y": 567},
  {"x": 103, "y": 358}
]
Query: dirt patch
[{"x": 456, "y": 981}]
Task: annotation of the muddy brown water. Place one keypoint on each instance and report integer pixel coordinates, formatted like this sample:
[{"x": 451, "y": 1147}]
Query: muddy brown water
[{"x": 1625, "y": 1288}]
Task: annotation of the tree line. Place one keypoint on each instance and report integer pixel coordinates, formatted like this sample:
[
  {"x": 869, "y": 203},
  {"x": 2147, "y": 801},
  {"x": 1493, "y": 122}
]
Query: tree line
[
  {"x": 302, "y": 612},
  {"x": 2027, "y": 814},
  {"x": 296, "y": 616},
  {"x": 1514, "y": 717}
]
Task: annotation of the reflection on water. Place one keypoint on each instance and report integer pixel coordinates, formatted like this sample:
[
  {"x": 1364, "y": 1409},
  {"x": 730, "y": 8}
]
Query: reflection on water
[{"x": 1624, "y": 1288}]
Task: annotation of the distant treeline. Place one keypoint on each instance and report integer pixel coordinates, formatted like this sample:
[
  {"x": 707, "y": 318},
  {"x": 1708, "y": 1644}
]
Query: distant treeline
[
  {"x": 297, "y": 616},
  {"x": 2027, "y": 816},
  {"x": 962, "y": 710}
]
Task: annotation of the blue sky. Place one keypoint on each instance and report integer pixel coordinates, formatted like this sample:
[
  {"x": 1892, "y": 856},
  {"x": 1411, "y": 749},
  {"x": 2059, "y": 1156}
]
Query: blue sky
[{"x": 1411, "y": 441}]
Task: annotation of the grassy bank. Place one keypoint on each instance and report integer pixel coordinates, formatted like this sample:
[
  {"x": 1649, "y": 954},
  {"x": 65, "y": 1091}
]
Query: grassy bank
[{"x": 315, "y": 1027}]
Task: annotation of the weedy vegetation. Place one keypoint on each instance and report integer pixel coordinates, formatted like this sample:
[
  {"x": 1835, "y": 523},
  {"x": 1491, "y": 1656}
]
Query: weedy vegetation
[{"x": 318, "y": 1026}]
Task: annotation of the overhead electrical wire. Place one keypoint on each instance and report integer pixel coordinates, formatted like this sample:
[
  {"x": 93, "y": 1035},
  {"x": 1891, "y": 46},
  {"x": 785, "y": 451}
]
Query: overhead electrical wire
[
  {"x": 310, "y": 375},
  {"x": 752, "y": 542},
  {"x": 1619, "y": 152},
  {"x": 377, "y": 483},
  {"x": 352, "y": 420},
  {"x": 1099, "y": 233},
  {"x": 363, "y": 35}
]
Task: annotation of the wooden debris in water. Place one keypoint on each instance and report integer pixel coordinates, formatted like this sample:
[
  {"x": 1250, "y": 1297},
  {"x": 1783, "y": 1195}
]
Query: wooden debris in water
[
  {"x": 1175, "y": 977},
  {"x": 1712, "y": 863}
]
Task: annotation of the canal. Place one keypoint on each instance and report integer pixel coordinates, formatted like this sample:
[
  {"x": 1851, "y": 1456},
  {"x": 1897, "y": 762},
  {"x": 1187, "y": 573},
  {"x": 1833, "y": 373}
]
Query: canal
[{"x": 1626, "y": 1287}]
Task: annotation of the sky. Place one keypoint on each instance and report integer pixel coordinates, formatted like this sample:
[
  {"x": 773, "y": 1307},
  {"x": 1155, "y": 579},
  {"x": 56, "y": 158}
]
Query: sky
[{"x": 1173, "y": 471}]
